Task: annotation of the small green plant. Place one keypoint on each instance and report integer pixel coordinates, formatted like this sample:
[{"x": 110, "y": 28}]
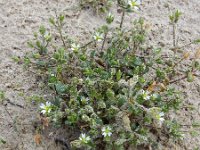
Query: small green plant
[
  {"x": 2, "y": 96},
  {"x": 174, "y": 17},
  {"x": 98, "y": 5},
  {"x": 2, "y": 141},
  {"x": 113, "y": 89}
]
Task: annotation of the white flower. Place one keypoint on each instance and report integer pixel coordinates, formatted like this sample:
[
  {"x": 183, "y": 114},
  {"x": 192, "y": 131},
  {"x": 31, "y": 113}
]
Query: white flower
[
  {"x": 106, "y": 131},
  {"x": 157, "y": 115},
  {"x": 84, "y": 139},
  {"x": 143, "y": 66},
  {"x": 145, "y": 95},
  {"x": 75, "y": 47},
  {"x": 52, "y": 75},
  {"x": 123, "y": 82},
  {"x": 98, "y": 37},
  {"x": 133, "y": 80},
  {"x": 46, "y": 108},
  {"x": 83, "y": 99},
  {"x": 80, "y": 81},
  {"x": 154, "y": 96},
  {"x": 134, "y": 4},
  {"x": 161, "y": 117}
]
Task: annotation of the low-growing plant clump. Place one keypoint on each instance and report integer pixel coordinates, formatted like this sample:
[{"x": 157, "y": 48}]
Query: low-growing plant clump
[
  {"x": 103, "y": 6},
  {"x": 98, "y": 5},
  {"x": 115, "y": 90}
]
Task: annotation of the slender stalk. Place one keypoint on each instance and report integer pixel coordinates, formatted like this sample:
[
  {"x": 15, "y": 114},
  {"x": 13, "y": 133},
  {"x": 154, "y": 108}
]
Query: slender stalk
[
  {"x": 59, "y": 28},
  {"x": 179, "y": 79},
  {"x": 174, "y": 35},
  {"x": 104, "y": 40},
  {"x": 61, "y": 36},
  {"x": 122, "y": 19},
  {"x": 87, "y": 44}
]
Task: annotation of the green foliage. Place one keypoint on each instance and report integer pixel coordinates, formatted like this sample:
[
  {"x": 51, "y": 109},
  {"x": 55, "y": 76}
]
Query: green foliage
[
  {"x": 175, "y": 16},
  {"x": 2, "y": 96},
  {"x": 114, "y": 89},
  {"x": 2, "y": 141},
  {"x": 98, "y": 5}
]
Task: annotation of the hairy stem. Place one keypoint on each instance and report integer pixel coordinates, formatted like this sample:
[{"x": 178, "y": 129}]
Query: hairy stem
[
  {"x": 179, "y": 79},
  {"x": 104, "y": 40},
  {"x": 174, "y": 35},
  {"x": 122, "y": 19}
]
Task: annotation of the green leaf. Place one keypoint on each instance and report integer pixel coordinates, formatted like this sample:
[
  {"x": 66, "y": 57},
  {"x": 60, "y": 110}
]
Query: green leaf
[
  {"x": 197, "y": 41},
  {"x": 2, "y": 141},
  {"x": 190, "y": 77},
  {"x": 30, "y": 44},
  {"x": 41, "y": 63},
  {"x": 16, "y": 59},
  {"x": 196, "y": 124},
  {"x": 61, "y": 18},
  {"x": 42, "y": 30},
  {"x": 61, "y": 88},
  {"x": 52, "y": 21},
  {"x": 38, "y": 44},
  {"x": 175, "y": 16},
  {"x": 118, "y": 75},
  {"x": 110, "y": 94},
  {"x": 2, "y": 95}
]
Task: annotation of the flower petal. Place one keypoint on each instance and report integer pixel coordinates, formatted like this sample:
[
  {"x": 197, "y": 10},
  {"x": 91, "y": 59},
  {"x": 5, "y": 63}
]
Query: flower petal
[
  {"x": 161, "y": 114},
  {"x": 109, "y": 133},
  {"x": 42, "y": 106},
  {"x": 104, "y": 134},
  {"x": 48, "y": 103},
  {"x": 43, "y": 111}
]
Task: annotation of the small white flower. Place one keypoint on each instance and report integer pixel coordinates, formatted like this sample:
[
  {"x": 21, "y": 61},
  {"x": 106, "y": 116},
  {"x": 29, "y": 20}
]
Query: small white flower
[
  {"x": 145, "y": 95},
  {"x": 84, "y": 139},
  {"x": 134, "y": 4},
  {"x": 52, "y": 75},
  {"x": 98, "y": 37},
  {"x": 161, "y": 117},
  {"x": 157, "y": 115},
  {"x": 182, "y": 136},
  {"x": 143, "y": 66},
  {"x": 83, "y": 99},
  {"x": 161, "y": 114},
  {"x": 75, "y": 47},
  {"x": 133, "y": 80},
  {"x": 154, "y": 96},
  {"x": 45, "y": 109},
  {"x": 106, "y": 131},
  {"x": 123, "y": 82},
  {"x": 80, "y": 81}
]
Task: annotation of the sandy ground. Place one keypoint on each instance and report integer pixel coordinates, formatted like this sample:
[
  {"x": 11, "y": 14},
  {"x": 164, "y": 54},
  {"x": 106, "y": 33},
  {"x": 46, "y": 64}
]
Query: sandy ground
[{"x": 20, "y": 18}]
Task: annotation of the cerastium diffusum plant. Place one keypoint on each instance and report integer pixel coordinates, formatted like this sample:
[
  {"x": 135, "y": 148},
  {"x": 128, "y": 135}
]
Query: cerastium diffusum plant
[
  {"x": 98, "y": 5},
  {"x": 113, "y": 89}
]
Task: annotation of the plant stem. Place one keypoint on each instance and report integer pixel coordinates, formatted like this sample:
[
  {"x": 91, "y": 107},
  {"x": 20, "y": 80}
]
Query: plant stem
[
  {"x": 176, "y": 80},
  {"x": 122, "y": 19},
  {"x": 87, "y": 44},
  {"x": 104, "y": 40},
  {"x": 61, "y": 36},
  {"x": 174, "y": 35}
]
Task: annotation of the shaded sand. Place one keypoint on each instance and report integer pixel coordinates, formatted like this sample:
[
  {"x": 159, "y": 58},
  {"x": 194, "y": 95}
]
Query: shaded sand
[{"x": 20, "y": 18}]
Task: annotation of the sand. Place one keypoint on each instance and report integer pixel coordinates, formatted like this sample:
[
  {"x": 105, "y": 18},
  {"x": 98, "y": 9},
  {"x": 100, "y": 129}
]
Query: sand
[{"x": 20, "y": 18}]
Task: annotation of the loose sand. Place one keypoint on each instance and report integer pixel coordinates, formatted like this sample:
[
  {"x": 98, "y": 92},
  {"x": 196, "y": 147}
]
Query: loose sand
[{"x": 20, "y": 18}]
